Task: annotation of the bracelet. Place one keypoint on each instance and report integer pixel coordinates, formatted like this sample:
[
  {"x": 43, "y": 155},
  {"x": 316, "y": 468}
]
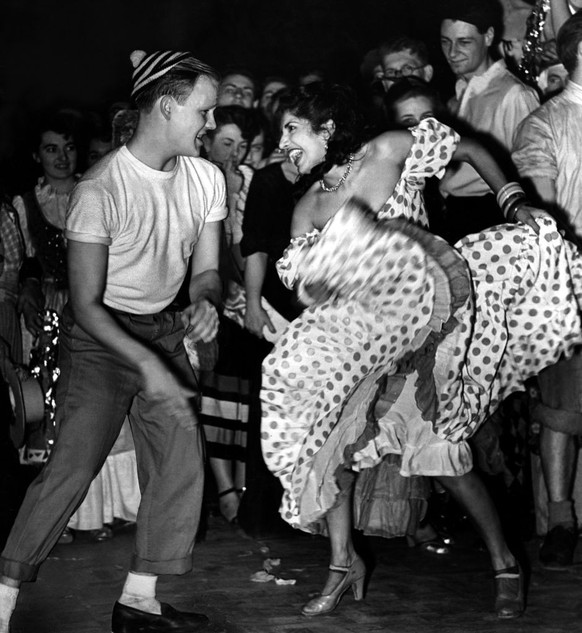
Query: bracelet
[
  {"x": 507, "y": 192},
  {"x": 513, "y": 207}
]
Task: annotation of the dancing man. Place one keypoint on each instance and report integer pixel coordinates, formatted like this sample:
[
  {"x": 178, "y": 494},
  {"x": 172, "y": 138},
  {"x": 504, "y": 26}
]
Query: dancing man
[{"x": 133, "y": 222}]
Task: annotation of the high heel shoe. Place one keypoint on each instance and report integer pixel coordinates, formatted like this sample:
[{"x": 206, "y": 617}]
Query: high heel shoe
[
  {"x": 509, "y": 592},
  {"x": 354, "y": 577}
]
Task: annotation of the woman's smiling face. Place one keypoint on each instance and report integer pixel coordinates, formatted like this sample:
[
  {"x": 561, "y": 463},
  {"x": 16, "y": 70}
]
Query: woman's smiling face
[{"x": 305, "y": 147}]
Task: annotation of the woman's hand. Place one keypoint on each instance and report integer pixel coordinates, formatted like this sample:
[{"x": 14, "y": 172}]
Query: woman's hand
[
  {"x": 256, "y": 318},
  {"x": 200, "y": 319},
  {"x": 528, "y": 215}
]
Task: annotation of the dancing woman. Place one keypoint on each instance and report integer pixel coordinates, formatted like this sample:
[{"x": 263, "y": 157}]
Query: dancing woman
[{"x": 408, "y": 343}]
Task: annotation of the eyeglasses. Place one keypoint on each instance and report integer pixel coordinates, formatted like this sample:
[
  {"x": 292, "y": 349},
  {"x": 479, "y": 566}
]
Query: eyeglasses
[{"x": 405, "y": 71}]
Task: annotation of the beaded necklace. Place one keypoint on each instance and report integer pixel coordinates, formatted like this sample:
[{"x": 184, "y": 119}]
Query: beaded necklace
[{"x": 341, "y": 181}]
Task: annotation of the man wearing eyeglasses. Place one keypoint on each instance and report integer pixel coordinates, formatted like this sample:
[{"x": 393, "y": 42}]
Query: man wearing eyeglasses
[
  {"x": 404, "y": 57},
  {"x": 489, "y": 104}
]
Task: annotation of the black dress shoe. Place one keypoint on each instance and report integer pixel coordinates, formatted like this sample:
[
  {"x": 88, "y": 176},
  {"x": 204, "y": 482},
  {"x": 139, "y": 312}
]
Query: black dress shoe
[
  {"x": 557, "y": 552},
  {"x": 129, "y": 620}
]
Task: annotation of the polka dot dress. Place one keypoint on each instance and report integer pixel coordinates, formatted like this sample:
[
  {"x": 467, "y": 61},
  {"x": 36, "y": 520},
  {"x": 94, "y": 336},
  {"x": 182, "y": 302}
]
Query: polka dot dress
[
  {"x": 410, "y": 346},
  {"x": 432, "y": 150}
]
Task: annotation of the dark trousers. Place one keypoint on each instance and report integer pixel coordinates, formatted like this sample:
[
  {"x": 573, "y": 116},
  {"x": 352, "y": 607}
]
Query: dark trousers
[
  {"x": 95, "y": 391},
  {"x": 466, "y": 215}
]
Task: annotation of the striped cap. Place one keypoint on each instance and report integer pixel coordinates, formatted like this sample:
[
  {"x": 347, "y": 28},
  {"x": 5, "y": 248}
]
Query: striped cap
[{"x": 150, "y": 67}]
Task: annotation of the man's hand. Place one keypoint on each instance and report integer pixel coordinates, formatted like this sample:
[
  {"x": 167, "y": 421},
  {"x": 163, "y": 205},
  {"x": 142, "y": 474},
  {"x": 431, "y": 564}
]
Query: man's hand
[
  {"x": 256, "y": 318},
  {"x": 200, "y": 320},
  {"x": 162, "y": 386},
  {"x": 528, "y": 215}
]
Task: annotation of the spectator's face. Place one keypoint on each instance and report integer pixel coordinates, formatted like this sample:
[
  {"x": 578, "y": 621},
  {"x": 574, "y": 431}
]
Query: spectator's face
[
  {"x": 236, "y": 90},
  {"x": 57, "y": 155},
  {"x": 269, "y": 92},
  {"x": 227, "y": 146},
  {"x": 557, "y": 79},
  {"x": 256, "y": 151},
  {"x": 97, "y": 149},
  {"x": 465, "y": 49},
  {"x": 410, "y": 112},
  {"x": 190, "y": 120},
  {"x": 403, "y": 63}
]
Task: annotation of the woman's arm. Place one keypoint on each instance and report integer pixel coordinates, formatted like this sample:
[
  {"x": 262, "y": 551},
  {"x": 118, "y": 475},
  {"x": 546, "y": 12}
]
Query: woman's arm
[{"x": 256, "y": 318}]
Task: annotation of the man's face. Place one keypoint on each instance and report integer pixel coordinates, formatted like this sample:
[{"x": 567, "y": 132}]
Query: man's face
[
  {"x": 465, "y": 49},
  {"x": 192, "y": 119},
  {"x": 236, "y": 90},
  {"x": 403, "y": 63},
  {"x": 269, "y": 91}
]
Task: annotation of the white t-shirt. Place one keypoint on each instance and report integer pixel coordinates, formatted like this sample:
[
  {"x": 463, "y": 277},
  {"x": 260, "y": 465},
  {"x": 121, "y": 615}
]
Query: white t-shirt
[{"x": 149, "y": 219}]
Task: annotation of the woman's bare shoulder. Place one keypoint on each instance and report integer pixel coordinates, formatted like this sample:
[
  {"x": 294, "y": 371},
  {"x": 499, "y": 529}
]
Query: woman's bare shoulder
[{"x": 394, "y": 144}]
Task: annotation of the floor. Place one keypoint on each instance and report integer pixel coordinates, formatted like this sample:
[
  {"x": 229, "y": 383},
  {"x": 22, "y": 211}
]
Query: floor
[{"x": 409, "y": 591}]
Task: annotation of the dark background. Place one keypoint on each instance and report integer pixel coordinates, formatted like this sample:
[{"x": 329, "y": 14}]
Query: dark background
[{"x": 76, "y": 52}]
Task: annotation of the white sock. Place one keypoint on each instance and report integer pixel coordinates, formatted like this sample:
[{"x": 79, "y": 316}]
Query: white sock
[
  {"x": 139, "y": 592},
  {"x": 8, "y": 597}
]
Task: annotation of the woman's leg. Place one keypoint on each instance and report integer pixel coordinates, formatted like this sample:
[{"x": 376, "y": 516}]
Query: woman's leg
[
  {"x": 228, "y": 496},
  {"x": 470, "y": 491},
  {"x": 340, "y": 524},
  {"x": 346, "y": 569}
]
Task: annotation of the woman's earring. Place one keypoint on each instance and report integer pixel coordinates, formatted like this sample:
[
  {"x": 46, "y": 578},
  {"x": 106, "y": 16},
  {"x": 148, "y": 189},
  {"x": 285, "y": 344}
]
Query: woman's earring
[{"x": 325, "y": 145}]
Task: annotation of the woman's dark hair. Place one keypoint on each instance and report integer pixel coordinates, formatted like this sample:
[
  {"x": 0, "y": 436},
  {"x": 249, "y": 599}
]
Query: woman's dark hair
[
  {"x": 235, "y": 115},
  {"x": 320, "y": 103},
  {"x": 62, "y": 123},
  {"x": 408, "y": 88}
]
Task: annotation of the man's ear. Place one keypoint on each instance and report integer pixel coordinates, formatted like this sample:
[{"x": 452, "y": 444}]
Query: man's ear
[
  {"x": 428, "y": 72},
  {"x": 165, "y": 105},
  {"x": 489, "y": 36},
  {"x": 327, "y": 129},
  {"x": 35, "y": 157}
]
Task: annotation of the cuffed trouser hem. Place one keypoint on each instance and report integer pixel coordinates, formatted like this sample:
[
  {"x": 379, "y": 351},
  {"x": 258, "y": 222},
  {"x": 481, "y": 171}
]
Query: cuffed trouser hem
[
  {"x": 568, "y": 422},
  {"x": 174, "y": 567},
  {"x": 17, "y": 570}
]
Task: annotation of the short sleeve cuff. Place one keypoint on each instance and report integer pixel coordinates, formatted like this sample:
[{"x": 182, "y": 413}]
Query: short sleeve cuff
[{"x": 88, "y": 238}]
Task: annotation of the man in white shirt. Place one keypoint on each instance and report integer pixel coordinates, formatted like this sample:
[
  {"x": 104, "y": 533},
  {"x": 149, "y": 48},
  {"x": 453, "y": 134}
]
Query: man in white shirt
[
  {"x": 133, "y": 222},
  {"x": 547, "y": 155},
  {"x": 489, "y": 104}
]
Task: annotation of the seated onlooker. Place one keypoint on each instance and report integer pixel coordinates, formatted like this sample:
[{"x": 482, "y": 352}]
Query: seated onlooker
[
  {"x": 271, "y": 86},
  {"x": 403, "y": 56},
  {"x": 237, "y": 87},
  {"x": 42, "y": 220}
]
